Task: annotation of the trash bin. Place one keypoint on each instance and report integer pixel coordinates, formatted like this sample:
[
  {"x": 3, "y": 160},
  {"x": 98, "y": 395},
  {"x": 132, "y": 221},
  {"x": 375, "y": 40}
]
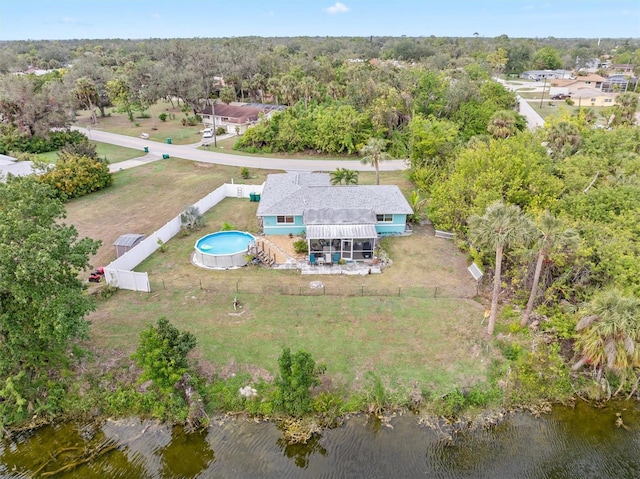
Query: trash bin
[
  {"x": 146, "y": 149},
  {"x": 165, "y": 157},
  {"x": 252, "y": 197},
  {"x": 168, "y": 141},
  {"x": 256, "y": 196}
]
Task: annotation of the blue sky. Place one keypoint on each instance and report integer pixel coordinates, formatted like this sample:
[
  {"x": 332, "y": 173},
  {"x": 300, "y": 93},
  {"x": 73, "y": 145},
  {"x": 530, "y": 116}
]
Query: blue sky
[{"x": 95, "y": 19}]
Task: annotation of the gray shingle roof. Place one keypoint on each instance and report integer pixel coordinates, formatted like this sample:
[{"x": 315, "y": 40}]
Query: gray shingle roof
[{"x": 293, "y": 193}]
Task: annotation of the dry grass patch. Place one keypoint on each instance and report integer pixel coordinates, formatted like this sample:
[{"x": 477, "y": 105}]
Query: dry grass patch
[{"x": 144, "y": 198}]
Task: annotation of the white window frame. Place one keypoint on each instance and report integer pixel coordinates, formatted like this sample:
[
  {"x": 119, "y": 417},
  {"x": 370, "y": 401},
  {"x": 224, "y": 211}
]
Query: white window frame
[
  {"x": 285, "y": 220},
  {"x": 384, "y": 218}
]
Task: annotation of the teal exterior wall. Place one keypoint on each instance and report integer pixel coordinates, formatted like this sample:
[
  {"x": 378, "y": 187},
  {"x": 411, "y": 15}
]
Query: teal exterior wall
[
  {"x": 271, "y": 227},
  {"x": 395, "y": 227}
]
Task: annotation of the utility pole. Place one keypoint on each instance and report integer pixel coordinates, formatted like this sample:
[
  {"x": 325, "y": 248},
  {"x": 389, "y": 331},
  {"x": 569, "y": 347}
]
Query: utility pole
[
  {"x": 213, "y": 121},
  {"x": 543, "y": 87}
]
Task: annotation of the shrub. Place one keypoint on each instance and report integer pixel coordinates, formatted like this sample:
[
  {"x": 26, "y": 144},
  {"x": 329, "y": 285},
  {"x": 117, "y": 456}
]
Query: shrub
[
  {"x": 162, "y": 354},
  {"x": 300, "y": 246},
  {"x": 570, "y": 102},
  {"x": 227, "y": 227},
  {"x": 221, "y": 130},
  {"x": 162, "y": 116},
  {"x": 244, "y": 173},
  {"x": 298, "y": 373},
  {"x": 75, "y": 176}
]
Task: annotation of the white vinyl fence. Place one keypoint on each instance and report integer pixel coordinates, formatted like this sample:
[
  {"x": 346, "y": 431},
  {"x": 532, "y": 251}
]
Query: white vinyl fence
[{"x": 119, "y": 273}]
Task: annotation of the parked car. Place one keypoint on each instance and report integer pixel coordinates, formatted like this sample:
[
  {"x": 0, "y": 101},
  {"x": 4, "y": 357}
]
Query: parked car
[
  {"x": 207, "y": 133},
  {"x": 560, "y": 96}
]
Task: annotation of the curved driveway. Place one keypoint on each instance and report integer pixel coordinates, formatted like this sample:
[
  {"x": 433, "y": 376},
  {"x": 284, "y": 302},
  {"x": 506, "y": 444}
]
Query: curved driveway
[{"x": 190, "y": 152}]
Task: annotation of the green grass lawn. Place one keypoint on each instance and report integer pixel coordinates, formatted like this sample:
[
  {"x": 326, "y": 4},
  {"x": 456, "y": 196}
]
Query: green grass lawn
[
  {"x": 361, "y": 324},
  {"x": 158, "y": 130},
  {"x": 113, "y": 153}
]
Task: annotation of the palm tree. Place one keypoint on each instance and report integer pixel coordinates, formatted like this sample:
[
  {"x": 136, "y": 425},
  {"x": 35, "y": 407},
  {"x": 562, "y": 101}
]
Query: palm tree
[
  {"x": 417, "y": 206},
  {"x": 191, "y": 218},
  {"x": 337, "y": 176},
  {"x": 609, "y": 333},
  {"x": 350, "y": 177},
  {"x": 502, "y": 124},
  {"x": 550, "y": 236},
  {"x": 625, "y": 109},
  {"x": 563, "y": 139},
  {"x": 373, "y": 153},
  {"x": 501, "y": 227}
]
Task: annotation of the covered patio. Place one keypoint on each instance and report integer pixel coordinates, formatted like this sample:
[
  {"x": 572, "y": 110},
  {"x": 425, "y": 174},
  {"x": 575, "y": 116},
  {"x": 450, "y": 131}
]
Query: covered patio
[{"x": 344, "y": 234}]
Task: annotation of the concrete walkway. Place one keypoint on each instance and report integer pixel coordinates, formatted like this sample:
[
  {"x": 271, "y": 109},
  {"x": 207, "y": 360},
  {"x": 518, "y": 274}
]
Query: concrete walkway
[{"x": 190, "y": 152}]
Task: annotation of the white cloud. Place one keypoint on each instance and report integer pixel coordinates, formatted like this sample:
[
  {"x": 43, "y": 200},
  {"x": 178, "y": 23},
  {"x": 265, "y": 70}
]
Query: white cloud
[
  {"x": 156, "y": 16},
  {"x": 337, "y": 8}
]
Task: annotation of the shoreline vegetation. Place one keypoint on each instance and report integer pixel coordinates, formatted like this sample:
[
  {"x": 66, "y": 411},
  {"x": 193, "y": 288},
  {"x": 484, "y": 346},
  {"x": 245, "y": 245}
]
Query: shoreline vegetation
[{"x": 550, "y": 216}]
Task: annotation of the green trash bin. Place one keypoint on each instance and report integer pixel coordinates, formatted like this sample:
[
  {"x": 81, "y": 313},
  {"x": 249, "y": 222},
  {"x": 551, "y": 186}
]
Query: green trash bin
[
  {"x": 168, "y": 141},
  {"x": 146, "y": 149},
  {"x": 165, "y": 157}
]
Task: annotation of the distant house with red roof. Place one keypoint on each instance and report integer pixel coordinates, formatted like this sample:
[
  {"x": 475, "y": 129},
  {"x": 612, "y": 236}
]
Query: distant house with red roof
[{"x": 236, "y": 115}]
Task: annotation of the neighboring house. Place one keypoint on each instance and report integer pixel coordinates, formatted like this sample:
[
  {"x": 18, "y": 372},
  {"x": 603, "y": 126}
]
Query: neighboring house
[
  {"x": 9, "y": 165},
  {"x": 237, "y": 115},
  {"x": 616, "y": 83},
  {"x": 622, "y": 68},
  {"x": 592, "y": 97},
  {"x": 339, "y": 222},
  {"x": 548, "y": 74},
  {"x": 590, "y": 81}
]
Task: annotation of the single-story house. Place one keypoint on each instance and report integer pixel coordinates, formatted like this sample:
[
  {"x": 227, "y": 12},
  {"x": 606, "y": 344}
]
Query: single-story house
[
  {"x": 592, "y": 97},
  {"x": 338, "y": 221},
  {"x": 548, "y": 74},
  {"x": 240, "y": 115},
  {"x": 588, "y": 81}
]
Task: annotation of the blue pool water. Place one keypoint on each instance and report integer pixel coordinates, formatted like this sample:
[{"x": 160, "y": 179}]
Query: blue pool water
[{"x": 224, "y": 242}]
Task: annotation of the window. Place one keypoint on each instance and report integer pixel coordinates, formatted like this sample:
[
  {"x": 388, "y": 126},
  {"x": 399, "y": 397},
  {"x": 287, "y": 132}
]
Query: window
[
  {"x": 285, "y": 220},
  {"x": 608, "y": 100},
  {"x": 386, "y": 218}
]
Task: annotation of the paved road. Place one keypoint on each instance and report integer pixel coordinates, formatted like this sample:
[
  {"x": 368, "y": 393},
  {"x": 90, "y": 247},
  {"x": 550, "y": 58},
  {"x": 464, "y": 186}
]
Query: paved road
[
  {"x": 534, "y": 120},
  {"x": 190, "y": 152}
]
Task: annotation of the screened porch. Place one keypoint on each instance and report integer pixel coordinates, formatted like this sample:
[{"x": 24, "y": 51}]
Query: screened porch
[{"x": 329, "y": 244}]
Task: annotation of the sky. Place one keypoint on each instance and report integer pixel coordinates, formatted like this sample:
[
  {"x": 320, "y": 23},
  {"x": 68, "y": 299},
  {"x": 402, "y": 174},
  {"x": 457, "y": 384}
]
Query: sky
[{"x": 136, "y": 19}]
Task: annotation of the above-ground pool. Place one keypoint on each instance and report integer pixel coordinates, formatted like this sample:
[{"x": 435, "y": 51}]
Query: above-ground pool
[{"x": 224, "y": 249}]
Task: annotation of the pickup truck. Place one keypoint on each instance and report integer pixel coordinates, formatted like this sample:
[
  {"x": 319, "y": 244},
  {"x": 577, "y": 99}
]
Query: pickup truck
[{"x": 560, "y": 96}]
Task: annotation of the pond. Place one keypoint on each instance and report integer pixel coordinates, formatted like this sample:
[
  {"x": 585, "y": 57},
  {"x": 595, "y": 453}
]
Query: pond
[{"x": 580, "y": 442}]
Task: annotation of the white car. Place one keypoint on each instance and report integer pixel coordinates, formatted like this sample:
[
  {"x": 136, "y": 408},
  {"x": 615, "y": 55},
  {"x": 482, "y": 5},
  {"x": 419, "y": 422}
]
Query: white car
[{"x": 207, "y": 133}]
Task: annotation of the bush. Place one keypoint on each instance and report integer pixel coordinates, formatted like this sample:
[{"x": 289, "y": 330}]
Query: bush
[
  {"x": 298, "y": 373},
  {"x": 162, "y": 116},
  {"x": 74, "y": 176},
  {"x": 244, "y": 173},
  {"x": 221, "y": 130},
  {"x": 570, "y": 102},
  {"x": 300, "y": 246},
  {"x": 162, "y": 354}
]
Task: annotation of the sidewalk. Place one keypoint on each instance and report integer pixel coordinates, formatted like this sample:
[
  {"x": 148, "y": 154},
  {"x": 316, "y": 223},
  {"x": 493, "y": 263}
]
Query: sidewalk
[{"x": 142, "y": 160}]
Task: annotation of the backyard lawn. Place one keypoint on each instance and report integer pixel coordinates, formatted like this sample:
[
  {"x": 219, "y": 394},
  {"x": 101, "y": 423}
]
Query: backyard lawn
[{"x": 389, "y": 323}]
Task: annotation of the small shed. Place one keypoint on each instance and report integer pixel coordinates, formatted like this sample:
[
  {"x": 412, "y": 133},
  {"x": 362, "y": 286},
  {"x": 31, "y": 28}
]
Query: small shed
[{"x": 125, "y": 242}]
